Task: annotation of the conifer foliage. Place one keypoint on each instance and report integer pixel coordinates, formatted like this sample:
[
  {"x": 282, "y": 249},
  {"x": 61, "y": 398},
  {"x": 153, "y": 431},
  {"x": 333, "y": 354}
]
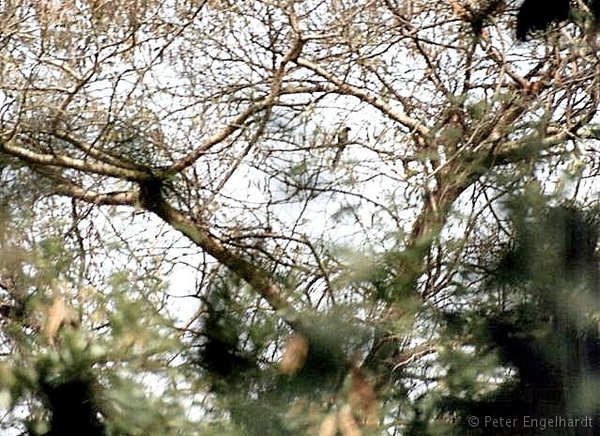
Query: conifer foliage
[{"x": 543, "y": 329}]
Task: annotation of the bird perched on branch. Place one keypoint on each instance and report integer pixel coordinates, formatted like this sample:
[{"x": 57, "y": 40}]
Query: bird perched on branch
[{"x": 342, "y": 142}]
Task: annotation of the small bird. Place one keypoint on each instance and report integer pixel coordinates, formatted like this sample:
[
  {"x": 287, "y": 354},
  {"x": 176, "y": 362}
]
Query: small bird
[{"x": 342, "y": 142}]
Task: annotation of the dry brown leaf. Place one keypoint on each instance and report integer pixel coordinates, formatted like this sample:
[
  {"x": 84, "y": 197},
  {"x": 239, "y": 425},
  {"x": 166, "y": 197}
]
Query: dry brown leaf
[
  {"x": 57, "y": 314},
  {"x": 363, "y": 398},
  {"x": 329, "y": 425},
  {"x": 347, "y": 423},
  {"x": 459, "y": 10},
  {"x": 294, "y": 355}
]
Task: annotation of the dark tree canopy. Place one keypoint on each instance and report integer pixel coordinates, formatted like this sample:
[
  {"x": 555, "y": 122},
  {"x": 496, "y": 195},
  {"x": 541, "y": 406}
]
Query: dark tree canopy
[
  {"x": 552, "y": 272},
  {"x": 536, "y": 15}
]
